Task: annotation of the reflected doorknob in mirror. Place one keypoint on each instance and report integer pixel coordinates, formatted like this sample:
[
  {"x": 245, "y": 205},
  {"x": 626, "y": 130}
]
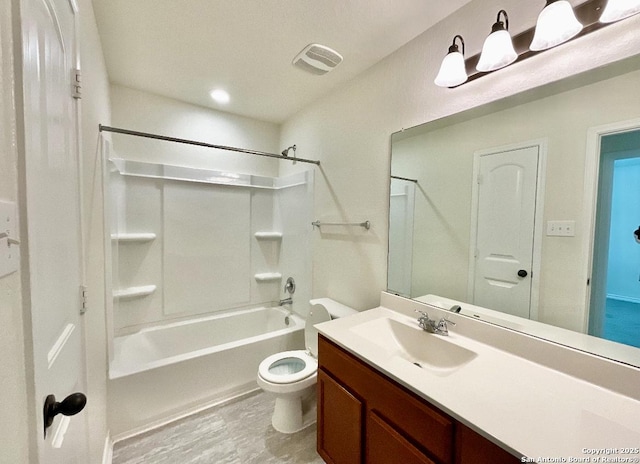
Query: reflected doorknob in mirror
[
  {"x": 70, "y": 406},
  {"x": 522, "y": 273}
]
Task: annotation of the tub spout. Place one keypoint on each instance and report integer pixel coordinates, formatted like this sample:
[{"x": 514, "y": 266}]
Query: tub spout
[{"x": 285, "y": 301}]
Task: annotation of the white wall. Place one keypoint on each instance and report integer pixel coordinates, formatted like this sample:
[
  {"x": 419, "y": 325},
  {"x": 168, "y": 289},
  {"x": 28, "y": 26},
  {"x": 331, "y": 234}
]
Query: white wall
[
  {"x": 14, "y": 427},
  {"x": 349, "y": 130},
  {"x": 145, "y": 112},
  {"x": 94, "y": 110}
]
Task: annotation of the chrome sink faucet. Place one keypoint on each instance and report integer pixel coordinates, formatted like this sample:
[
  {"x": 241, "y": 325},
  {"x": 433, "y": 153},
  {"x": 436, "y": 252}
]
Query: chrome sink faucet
[{"x": 430, "y": 325}]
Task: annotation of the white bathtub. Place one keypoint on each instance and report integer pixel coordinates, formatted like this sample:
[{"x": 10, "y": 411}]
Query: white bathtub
[{"x": 161, "y": 373}]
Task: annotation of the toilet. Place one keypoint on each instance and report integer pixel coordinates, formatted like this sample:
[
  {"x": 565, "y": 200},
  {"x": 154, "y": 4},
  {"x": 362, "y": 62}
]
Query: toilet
[{"x": 291, "y": 375}]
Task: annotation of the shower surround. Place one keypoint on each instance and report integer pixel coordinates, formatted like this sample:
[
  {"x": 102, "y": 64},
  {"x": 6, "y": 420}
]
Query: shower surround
[{"x": 193, "y": 252}]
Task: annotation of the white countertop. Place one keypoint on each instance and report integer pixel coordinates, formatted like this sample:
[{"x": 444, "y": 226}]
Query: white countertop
[{"x": 525, "y": 407}]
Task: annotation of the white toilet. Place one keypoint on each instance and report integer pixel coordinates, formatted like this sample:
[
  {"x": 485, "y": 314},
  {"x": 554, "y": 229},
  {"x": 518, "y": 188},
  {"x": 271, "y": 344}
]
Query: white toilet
[{"x": 292, "y": 375}]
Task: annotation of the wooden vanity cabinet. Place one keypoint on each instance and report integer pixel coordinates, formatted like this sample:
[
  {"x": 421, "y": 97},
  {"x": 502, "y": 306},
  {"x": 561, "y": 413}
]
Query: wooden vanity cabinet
[
  {"x": 366, "y": 418},
  {"x": 342, "y": 415}
]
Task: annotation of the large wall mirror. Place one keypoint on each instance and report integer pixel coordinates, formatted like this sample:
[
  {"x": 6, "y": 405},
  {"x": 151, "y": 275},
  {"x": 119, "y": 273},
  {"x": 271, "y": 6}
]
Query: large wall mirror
[{"x": 529, "y": 206}]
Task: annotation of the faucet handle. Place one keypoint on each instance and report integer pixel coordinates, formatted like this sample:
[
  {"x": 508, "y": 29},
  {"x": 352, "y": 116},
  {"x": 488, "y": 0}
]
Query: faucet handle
[
  {"x": 446, "y": 319},
  {"x": 422, "y": 313},
  {"x": 290, "y": 286}
]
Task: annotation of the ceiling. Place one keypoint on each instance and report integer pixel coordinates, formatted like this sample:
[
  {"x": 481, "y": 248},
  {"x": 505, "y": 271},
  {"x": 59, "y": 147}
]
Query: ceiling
[{"x": 183, "y": 49}]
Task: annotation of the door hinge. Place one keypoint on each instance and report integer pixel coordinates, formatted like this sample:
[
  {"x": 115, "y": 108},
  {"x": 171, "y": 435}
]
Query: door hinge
[
  {"x": 76, "y": 84},
  {"x": 84, "y": 305}
]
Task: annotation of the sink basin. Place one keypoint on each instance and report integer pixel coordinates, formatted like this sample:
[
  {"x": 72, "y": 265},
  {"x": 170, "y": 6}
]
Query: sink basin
[{"x": 427, "y": 351}]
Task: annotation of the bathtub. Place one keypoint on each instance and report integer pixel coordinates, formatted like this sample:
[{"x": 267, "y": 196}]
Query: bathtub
[{"x": 161, "y": 373}]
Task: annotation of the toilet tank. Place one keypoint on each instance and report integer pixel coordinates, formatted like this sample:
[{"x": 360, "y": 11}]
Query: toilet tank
[
  {"x": 335, "y": 309},
  {"x": 330, "y": 309}
]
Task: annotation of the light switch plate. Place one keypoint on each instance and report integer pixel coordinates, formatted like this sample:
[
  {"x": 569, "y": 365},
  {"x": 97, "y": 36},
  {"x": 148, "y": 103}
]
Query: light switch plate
[
  {"x": 561, "y": 228},
  {"x": 9, "y": 252}
]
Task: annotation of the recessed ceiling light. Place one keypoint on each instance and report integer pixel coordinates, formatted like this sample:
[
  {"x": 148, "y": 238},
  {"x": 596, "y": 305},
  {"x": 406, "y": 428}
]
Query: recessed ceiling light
[{"x": 220, "y": 96}]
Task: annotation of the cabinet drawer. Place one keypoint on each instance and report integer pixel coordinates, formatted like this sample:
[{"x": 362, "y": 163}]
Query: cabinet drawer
[
  {"x": 386, "y": 445},
  {"x": 471, "y": 448},
  {"x": 422, "y": 425}
]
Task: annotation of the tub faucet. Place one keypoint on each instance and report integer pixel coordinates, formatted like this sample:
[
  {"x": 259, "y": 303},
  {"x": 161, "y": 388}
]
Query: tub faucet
[
  {"x": 430, "y": 325},
  {"x": 285, "y": 301}
]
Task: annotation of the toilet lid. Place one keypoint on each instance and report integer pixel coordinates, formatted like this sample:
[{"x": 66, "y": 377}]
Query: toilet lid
[
  {"x": 287, "y": 367},
  {"x": 317, "y": 314}
]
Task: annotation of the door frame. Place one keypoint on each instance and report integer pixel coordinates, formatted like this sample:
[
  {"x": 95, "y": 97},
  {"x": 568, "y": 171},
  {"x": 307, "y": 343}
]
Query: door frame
[
  {"x": 538, "y": 228},
  {"x": 591, "y": 176}
]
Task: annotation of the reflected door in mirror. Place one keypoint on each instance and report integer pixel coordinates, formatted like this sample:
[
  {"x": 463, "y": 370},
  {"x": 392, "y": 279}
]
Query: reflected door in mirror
[{"x": 504, "y": 203}]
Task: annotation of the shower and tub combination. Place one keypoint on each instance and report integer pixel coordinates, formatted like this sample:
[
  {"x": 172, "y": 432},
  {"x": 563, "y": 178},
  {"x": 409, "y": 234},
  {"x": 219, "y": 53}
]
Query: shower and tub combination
[{"x": 198, "y": 261}]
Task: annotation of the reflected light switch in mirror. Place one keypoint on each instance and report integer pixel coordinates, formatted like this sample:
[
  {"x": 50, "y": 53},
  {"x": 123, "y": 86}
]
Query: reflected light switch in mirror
[
  {"x": 9, "y": 250},
  {"x": 561, "y": 228}
]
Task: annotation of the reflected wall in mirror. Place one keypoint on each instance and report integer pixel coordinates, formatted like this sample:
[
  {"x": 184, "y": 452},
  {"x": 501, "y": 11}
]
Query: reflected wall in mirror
[{"x": 556, "y": 122}]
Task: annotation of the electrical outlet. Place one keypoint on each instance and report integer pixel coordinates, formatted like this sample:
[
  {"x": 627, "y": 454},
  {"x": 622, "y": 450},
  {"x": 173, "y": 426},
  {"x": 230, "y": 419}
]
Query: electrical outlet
[{"x": 561, "y": 228}]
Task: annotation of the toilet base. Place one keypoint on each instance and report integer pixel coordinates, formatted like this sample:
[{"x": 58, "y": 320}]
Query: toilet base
[{"x": 293, "y": 413}]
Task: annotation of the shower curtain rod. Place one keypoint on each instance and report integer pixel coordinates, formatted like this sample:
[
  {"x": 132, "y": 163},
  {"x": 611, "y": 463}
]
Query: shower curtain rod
[
  {"x": 405, "y": 178},
  {"x": 201, "y": 144}
]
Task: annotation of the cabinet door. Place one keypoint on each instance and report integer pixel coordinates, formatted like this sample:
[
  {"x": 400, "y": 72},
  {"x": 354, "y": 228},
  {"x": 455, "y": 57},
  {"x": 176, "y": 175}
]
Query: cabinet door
[
  {"x": 340, "y": 416},
  {"x": 471, "y": 448},
  {"x": 385, "y": 445}
]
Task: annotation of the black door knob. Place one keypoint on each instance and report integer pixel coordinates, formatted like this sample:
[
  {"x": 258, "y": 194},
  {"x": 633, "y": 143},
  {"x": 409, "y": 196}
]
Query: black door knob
[
  {"x": 522, "y": 273},
  {"x": 70, "y": 406}
]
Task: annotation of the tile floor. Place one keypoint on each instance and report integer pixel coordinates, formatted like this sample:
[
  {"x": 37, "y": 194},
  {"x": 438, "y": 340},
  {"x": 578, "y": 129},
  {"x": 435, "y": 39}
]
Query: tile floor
[{"x": 236, "y": 433}]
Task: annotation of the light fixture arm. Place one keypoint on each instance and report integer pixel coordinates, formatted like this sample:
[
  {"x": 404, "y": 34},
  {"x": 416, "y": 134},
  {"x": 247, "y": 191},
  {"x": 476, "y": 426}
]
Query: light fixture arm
[
  {"x": 499, "y": 25},
  {"x": 454, "y": 47}
]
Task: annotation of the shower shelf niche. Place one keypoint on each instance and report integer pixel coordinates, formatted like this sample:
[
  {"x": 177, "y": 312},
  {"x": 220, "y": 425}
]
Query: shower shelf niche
[
  {"x": 133, "y": 237},
  {"x": 268, "y": 235},
  {"x": 268, "y": 276},
  {"x": 133, "y": 292}
]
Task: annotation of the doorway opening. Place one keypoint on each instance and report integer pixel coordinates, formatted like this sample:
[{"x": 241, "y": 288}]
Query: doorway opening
[{"x": 615, "y": 290}]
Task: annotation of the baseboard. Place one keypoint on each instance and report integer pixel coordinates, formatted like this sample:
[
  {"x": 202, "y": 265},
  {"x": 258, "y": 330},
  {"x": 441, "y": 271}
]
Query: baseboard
[
  {"x": 628, "y": 299},
  {"x": 107, "y": 454},
  {"x": 234, "y": 395}
]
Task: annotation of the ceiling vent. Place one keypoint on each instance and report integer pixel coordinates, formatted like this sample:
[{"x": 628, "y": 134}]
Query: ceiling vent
[{"x": 317, "y": 59}]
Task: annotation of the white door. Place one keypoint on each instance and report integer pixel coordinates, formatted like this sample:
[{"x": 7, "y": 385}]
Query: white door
[
  {"x": 53, "y": 246},
  {"x": 506, "y": 207}
]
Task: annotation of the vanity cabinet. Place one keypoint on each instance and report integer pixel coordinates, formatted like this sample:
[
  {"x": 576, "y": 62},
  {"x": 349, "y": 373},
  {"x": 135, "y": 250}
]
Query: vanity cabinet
[{"x": 365, "y": 417}]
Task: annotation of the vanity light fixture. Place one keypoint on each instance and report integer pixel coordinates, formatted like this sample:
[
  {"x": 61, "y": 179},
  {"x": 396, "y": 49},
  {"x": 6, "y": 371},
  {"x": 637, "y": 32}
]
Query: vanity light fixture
[
  {"x": 452, "y": 70},
  {"x": 557, "y": 15},
  {"x": 497, "y": 51},
  {"x": 619, "y": 9},
  {"x": 556, "y": 24}
]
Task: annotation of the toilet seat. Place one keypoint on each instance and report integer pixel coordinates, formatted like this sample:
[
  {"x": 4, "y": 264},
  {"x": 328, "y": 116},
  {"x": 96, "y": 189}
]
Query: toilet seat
[{"x": 288, "y": 367}]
